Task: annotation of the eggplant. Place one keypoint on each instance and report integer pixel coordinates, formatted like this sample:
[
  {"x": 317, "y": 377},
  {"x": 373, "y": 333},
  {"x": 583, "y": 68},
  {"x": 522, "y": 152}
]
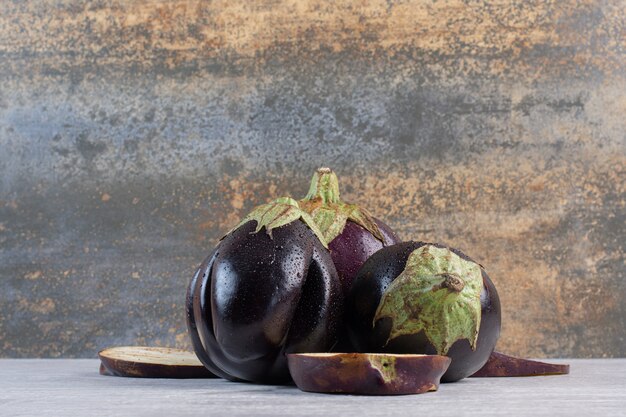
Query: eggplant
[
  {"x": 352, "y": 233},
  {"x": 424, "y": 298},
  {"x": 269, "y": 288}
]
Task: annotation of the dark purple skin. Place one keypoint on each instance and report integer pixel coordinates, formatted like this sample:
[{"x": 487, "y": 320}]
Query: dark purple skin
[
  {"x": 349, "y": 251},
  {"x": 353, "y": 246},
  {"x": 256, "y": 298},
  {"x": 365, "y": 295}
]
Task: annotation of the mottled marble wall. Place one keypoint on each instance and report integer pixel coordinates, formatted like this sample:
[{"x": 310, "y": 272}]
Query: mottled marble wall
[{"x": 134, "y": 133}]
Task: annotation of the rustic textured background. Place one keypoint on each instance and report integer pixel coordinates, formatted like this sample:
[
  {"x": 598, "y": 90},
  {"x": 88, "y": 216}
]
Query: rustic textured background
[{"x": 134, "y": 133}]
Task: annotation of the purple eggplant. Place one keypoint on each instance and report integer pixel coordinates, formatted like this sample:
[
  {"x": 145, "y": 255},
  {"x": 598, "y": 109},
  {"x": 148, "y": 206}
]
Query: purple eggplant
[
  {"x": 417, "y": 297},
  {"x": 352, "y": 233},
  {"x": 269, "y": 288}
]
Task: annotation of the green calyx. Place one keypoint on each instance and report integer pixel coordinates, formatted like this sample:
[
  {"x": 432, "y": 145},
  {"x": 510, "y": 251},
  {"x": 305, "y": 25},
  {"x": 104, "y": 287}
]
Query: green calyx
[
  {"x": 437, "y": 293},
  {"x": 280, "y": 212},
  {"x": 322, "y": 202}
]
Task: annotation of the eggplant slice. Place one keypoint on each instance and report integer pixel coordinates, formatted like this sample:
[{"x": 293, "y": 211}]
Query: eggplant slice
[
  {"x": 367, "y": 373},
  {"x": 151, "y": 362},
  {"x": 501, "y": 365}
]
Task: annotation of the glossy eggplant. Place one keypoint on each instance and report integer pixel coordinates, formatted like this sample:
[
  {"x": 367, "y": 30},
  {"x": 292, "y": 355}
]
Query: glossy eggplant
[
  {"x": 354, "y": 245},
  {"x": 269, "y": 288},
  {"x": 352, "y": 232},
  {"x": 416, "y": 297}
]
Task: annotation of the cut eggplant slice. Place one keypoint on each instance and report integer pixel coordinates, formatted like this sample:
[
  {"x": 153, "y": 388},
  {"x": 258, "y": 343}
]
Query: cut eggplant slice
[
  {"x": 501, "y": 365},
  {"x": 367, "y": 373},
  {"x": 151, "y": 362}
]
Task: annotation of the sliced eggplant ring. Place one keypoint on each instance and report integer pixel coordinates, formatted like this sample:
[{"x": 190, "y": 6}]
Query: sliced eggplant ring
[
  {"x": 151, "y": 362},
  {"x": 367, "y": 373}
]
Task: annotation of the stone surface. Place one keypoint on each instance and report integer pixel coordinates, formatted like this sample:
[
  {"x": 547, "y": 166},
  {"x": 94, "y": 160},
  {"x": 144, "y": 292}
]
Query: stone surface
[
  {"x": 133, "y": 134},
  {"x": 73, "y": 387}
]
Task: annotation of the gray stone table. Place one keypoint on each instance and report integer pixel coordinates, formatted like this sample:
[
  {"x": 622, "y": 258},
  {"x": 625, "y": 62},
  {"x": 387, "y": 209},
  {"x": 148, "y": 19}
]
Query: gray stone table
[{"x": 66, "y": 387}]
